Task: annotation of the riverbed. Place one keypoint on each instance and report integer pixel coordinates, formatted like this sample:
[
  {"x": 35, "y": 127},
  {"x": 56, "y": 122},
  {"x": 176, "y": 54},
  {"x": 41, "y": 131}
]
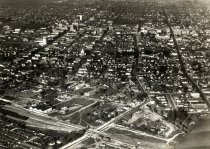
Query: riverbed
[{"x": 198, "y": 137}]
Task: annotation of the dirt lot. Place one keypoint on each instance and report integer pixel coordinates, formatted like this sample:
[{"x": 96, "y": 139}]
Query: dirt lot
[{"x": 133, "y": 138}]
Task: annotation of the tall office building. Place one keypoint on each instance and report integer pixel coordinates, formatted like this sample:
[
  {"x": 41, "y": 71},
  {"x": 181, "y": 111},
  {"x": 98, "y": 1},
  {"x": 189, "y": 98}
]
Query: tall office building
[
  {"x": 80, "y": 17},
  {"x": 44, "y": 40},
  {"x": 72, "y": 28},
  {"x": 60, "y": 26}
]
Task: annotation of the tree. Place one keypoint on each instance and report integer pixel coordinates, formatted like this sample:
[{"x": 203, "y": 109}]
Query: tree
[
  {"x": 49, "y": 94},
  {"x": 171, "y": 115},
  {"x": 140, "y": 96},
  {"x": 182, "y": 114}
]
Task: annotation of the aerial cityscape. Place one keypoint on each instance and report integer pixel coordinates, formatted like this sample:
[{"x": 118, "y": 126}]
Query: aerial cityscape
[{"x": 104, "y": 74}]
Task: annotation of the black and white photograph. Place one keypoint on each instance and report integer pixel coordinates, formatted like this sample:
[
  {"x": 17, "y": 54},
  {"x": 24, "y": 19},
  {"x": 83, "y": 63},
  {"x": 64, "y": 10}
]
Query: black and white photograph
[{"x": 104, "y": 74}]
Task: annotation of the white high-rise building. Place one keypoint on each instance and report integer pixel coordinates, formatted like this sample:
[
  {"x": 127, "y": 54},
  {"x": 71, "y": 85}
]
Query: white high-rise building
[
  {"x": 72, "y": 28},
  {"x": 44, "y": 40},
  {"x": 80, "y": 17},
  {"x": 60, "y": 26}
]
